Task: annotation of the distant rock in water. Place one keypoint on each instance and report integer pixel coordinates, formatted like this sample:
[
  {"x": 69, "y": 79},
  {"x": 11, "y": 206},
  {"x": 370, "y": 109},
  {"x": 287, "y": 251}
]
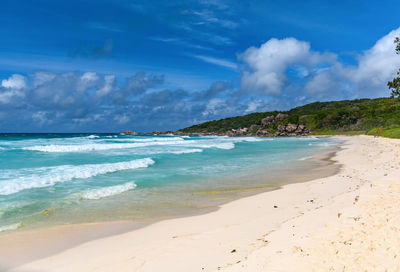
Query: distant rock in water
[{"x": 129, "y": 132}]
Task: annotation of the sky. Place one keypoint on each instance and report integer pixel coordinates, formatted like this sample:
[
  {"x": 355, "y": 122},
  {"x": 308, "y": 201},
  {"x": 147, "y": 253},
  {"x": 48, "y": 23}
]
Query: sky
[{"x": 113, "y": 65}]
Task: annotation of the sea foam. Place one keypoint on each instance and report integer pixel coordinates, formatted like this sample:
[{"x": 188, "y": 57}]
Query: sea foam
[
  {"x": 108, "y": 146},
  {"x": 48, "y": 176},
  {"x": 305, "y": 158},
  {"x": 108, "y": 191},
  {"x": 186, "y": 151},
  {"x": 226, "y": 145},
  {"x": 10, "y": 227},
  {"x": 94, "y": 147},
  {"x": 160, "y": 139}
]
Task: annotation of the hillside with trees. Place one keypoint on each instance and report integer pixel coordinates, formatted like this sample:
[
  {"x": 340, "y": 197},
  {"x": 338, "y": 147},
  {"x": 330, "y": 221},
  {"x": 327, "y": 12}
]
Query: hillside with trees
[{"x": 379, "y": 116}]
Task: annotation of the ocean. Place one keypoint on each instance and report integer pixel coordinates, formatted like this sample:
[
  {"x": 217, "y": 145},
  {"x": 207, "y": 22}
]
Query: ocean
[{"x": 52, "y": 179}]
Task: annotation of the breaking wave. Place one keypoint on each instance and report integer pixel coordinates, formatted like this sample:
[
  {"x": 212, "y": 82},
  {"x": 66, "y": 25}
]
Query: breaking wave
[
  {"x": 10, "y": 227},
  {"x": 109, "y": 146},
  {"x": 88, "y": 147},
  {"x": 48, "y": 176},
  {"x": 187, "y": 151},
  {"x": 108, "y": 191}
]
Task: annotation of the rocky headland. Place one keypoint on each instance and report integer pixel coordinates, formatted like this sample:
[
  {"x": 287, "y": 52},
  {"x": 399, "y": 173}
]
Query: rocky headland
[
  {"x": 268, "y": 128},
  {"x": 265, "y": 130}
]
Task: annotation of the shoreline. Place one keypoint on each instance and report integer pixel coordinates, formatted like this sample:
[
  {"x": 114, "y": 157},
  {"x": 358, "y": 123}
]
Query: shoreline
[
  {"x": 171, "y": 196},
  {"x": 48, "y": 240},
  {"x": 253, "y": 233}
]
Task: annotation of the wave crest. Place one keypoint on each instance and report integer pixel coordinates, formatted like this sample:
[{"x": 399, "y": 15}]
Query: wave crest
[
  {"x": 109, "y": 146},
  {"x": 10, "y": 227},
  {"x": 92, "y": 147},
  {"x": 48, "y": 176},
  {"x": 187, "y": 151},
  {"x": 108, "y": 191}
]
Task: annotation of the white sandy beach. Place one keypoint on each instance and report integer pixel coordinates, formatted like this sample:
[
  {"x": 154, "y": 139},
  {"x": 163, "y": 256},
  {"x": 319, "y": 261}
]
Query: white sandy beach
[{"x": 346, "y": 222}]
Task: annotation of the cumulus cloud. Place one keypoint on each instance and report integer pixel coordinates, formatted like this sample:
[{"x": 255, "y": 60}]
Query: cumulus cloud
[
  {"x": 216, "y": 89},
  {"x": 87, "y": 80},
  {"x": 14, "y": 82},
  {"x": 265, "y": 67},
  {"x": 42, "y": 77},
  {"x": 109, "y": 84},
  {"x": 214, "y": 107},
  {"x": 12, "y": 89},
  {"x": 41, "y": 118},
  {"x": 289, "y": 69},
  {"x": 162, "y": 98},
  {"x": 280, "y": 74},
  {"x": 377, "y": 65},
  {"x": 137, "y": 85},
  {"x": 121, "y": 119},
  {"x": 63, "y": 90}
]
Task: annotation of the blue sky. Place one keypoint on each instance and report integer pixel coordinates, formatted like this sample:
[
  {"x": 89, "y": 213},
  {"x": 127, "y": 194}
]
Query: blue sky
[{"x": 98, "y": 66}]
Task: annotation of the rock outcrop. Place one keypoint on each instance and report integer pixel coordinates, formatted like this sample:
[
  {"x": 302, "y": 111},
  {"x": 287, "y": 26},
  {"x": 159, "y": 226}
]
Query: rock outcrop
[
  {"x": 129, "y": 132},
  {"x": 272, "y": 119},
  {"x": 267, "y": 130},
  {"x": 167, "y": 132},
  {"x": 280, "y": 117},
  {"x": 271, "y": 126},
  {"x": 238, "y": 132},
  {"x": 267, "y": 120},
  {"x": 254, "y": 127},
  {"x": 292, "y": 130}
]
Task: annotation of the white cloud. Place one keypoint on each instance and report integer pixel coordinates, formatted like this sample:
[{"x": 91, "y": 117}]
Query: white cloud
[
  {"x": 87, "y": 80},
  {"x": 279, "y": 74},
  {"x": 377, "y": 65},
  {"x": 14, "y": 82},
  {"x": 323, "y": 76},
  {"x": 368, "y": 78},
  {"x": 216, "y": 61},
  {"x": 122, "y": 119},
  {"x": 41, "y": 118},
  {"x": 109, "y": 83},
  {"x": 214, "y": 107},
  {"x": 42, "y": 77},
  {"x": 11, "y": 88},
  {"x": 7, "y": 96},
  {"x": 265, "y": 67},
  {"x": 253, "y": 106}
]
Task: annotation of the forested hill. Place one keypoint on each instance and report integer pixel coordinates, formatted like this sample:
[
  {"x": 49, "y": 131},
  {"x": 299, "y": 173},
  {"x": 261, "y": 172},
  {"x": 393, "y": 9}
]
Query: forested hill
[{"x": 379, "y": 116}]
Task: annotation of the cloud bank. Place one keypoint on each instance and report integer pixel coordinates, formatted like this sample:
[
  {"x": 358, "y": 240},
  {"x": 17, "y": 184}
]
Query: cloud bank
[
  {"x": 288, "y": 67},
  {"x": 279, "y": 74}
]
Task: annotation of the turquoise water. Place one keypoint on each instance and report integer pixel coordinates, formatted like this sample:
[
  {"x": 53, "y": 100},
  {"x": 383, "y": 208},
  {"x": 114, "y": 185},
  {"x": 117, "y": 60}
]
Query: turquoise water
[{"x": 65, "y": 178}]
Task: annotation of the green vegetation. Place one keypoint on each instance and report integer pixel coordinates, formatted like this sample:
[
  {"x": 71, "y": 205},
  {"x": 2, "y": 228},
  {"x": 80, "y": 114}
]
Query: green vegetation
[
  {"x": 390, "y": 132},
  {"x": 394, "y": 85},
  {"x": 379, "y": 117}
]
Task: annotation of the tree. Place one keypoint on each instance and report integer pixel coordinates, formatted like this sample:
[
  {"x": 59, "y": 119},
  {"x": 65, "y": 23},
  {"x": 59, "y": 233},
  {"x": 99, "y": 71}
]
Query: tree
[{"x": 394, "y": 85}]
